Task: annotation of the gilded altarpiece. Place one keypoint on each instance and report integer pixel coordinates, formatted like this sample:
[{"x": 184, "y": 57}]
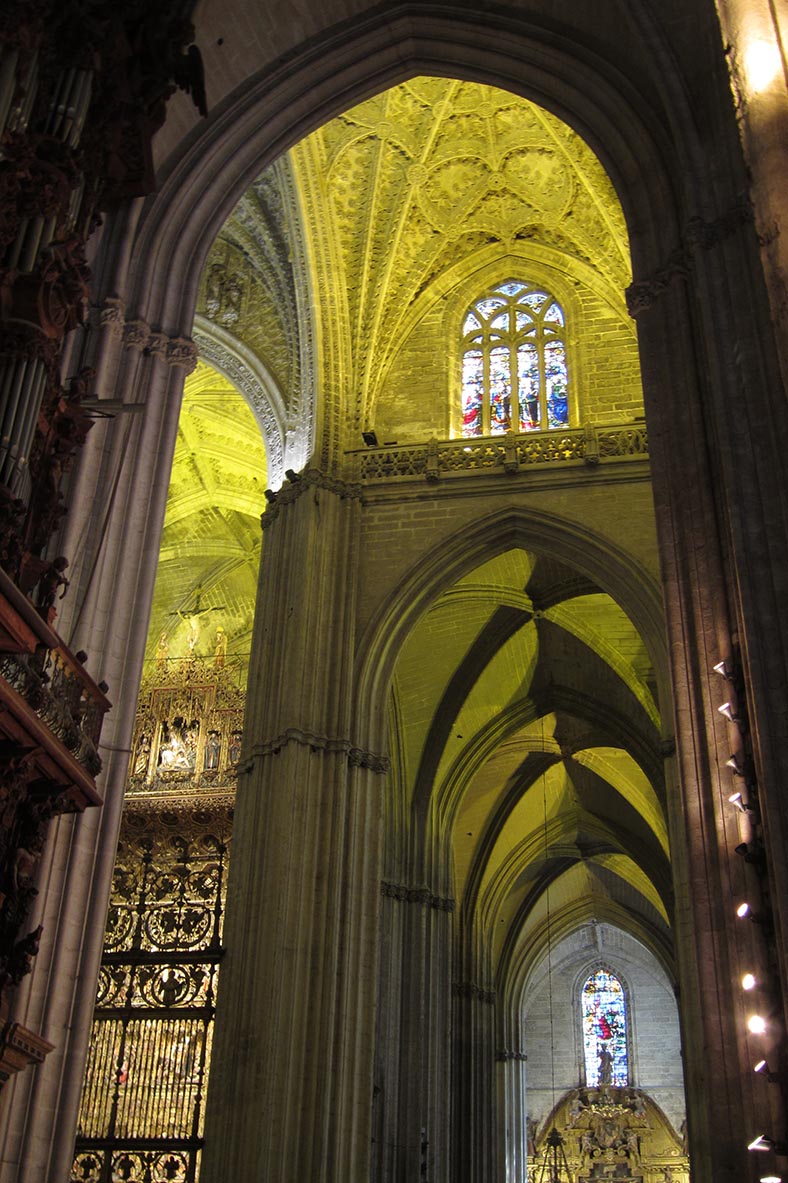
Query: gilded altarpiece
[
  {"x": 144, "y": 1093},
  {"x": 612, "y": 1135}
]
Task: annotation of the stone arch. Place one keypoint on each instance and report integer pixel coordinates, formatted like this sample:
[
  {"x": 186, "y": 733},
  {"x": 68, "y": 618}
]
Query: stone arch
[
  {"x": 606, "y": 564},
  {"x": 247, "y": 373},
  {"x": 255, "y": 124}
]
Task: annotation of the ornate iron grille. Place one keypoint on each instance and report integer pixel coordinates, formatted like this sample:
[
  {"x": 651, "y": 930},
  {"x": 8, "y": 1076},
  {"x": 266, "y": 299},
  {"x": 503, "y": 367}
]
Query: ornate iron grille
[{"x": 143, "y": 1099}]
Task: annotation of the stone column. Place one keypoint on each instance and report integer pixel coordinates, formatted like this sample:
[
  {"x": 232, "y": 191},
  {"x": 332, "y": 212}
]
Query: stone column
[
  {"x": 712, "y": 445},
  {"x": 473, "y": 1082},
  {"x": 414, "y": 1030},
  {"x": 290, "y": 1093},
  {"x": 124, "y": 469}
]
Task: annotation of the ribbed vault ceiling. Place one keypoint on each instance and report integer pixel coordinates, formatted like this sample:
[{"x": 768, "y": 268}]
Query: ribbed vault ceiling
[
  {"x": 210, "y": 548},
  {"x": 529, "y": 742}
]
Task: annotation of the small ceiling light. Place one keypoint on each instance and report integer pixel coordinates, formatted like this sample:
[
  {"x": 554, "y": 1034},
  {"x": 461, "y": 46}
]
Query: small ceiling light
[
  {"x": 729, "y": 712},
  {"x": 756, "y": 1024},
  {"x": 748, "y": 982},
  {"x": 743, "y": 910},
  {"x": 723, "y": 669},
  {"x": 771, "y": 1179},
  {"x": 761, "y": 1143}
]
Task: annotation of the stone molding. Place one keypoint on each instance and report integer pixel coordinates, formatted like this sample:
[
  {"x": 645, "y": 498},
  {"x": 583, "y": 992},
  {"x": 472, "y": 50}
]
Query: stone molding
[
  {"x": 472, "y": 991},
  {"x": 504, "y": 1055},
  {"x": 240, "y": 374},
  {"x": 416, "y": 895},
  {"x": 357, "y": 757},
  {"x": 138, "y": 334},
  {"x": 298, "y": 483},
  {"x": 698, "y": 235}
]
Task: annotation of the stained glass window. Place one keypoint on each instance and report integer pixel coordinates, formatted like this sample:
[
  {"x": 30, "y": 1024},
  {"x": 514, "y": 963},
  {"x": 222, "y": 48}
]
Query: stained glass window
[
  {"x": 514, "y": 370},
  {"x": 604, "y": 1014}
]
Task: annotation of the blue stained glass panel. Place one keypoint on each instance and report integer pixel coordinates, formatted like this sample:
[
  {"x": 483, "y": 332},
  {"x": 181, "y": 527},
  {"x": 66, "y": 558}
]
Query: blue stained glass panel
[
  {"x": 556, "y": 384},
  {"x": 500, "y": 392},
  {"x": 605, "y": 1031},
  {"x": 472, "y": 392},
  {"x": 525, "y": 321},
  {"x": 488, "y": 307},
  {"x": 511, "y": 289},
  {"x": 554, "y": 314},
  {"x": 534, "y": 300},
  {"x": 471, "y": 322},
  {"x": 528, "y": 387}
]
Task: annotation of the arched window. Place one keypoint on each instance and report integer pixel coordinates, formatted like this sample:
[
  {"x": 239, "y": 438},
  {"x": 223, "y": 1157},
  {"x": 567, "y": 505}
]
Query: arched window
[
  {"x": 604, "y": 1016},
  {"x": 513, "y": 340}
]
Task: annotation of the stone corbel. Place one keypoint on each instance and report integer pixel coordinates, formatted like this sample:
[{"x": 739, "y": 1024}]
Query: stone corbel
[
  {"x": 298, "y": 483},
  {"x": 112, "y": 315},
  {"x": 416, "y": 895}
]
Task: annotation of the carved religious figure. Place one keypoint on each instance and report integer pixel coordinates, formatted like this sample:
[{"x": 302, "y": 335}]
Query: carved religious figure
[
  {"x": 162, "y": 650},
  {"x": 220, "y": 648},
  {"x": 212, "y": 750}
]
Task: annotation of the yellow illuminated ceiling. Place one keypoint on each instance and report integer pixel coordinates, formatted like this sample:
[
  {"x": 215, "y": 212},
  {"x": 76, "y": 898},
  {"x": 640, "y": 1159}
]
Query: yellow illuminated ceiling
[
  {"x": 532, "y": 737},
  {"x": 210, "y": 548},
  {"x": 430, "y": 181}
]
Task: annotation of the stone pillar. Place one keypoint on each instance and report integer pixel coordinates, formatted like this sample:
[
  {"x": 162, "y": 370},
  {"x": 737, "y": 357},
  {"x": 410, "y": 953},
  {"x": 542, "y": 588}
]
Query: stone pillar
[
  {"x": 717, "y": 482},
  {"x": 473, "y": 1082},
  {"x": 414, "y": 1029},
  {"x": 124, "y": 469},
  {"x": 290, "y": 1093},
  {"x": 513, "y": 1117}
]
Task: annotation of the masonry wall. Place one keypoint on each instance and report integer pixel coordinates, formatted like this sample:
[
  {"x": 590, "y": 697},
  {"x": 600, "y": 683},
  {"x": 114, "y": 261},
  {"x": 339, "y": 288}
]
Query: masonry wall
[{"x": 654, "y": 1042}]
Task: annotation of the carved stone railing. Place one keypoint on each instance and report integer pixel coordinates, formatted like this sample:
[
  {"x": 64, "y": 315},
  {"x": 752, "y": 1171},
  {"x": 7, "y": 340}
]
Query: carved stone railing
[{"x": 437, "y": 459}]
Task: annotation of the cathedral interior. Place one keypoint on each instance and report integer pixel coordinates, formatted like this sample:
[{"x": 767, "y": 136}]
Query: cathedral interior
[{"x": 393, "y": 662}]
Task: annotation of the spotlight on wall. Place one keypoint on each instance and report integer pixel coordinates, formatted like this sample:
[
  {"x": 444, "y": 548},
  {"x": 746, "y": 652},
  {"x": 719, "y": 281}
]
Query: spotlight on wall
[
  {"x": 370, "y": 439},
  {"x": 749, "y": 982},
  {"x": 724, "y": 670},
  {"x": 764, "y": 1142},
  {"x": 736, "y": 764},
  {"x": 745, "y": 912},
  {"x": 752, "y": 853},
  {"x": 737, "y": 800},
  {"x": 728, "y": 710},
  {"x": 762, "y": 1069},
  {"x": 771, "y": 1179},
  {"x": 756, "y": 1024}
]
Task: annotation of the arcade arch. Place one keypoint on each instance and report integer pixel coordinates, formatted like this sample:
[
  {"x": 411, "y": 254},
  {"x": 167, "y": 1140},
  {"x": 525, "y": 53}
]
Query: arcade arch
[{"x": 644, "y": 131}]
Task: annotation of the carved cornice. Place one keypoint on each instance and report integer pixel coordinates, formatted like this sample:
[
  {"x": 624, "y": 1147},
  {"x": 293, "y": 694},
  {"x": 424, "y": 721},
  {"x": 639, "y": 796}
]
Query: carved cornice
[
  {"x": 416, "y": 895},
  {"x": 472, "y": 991},
  {"x": 641, "y": 296},
  {"x": 329, "y": 745},
  {"x": 699, "y": 235},
  {"x": 298, "y": 483},
  {"x": 138, "y": 334},
  {"x": 705, "y": 235}
]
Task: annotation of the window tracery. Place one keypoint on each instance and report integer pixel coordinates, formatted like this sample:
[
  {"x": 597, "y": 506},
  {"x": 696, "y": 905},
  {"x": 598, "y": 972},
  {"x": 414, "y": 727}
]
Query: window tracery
[
  {"x": 603, "y": 1007},
  {"x": 514, "y": 367}
]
